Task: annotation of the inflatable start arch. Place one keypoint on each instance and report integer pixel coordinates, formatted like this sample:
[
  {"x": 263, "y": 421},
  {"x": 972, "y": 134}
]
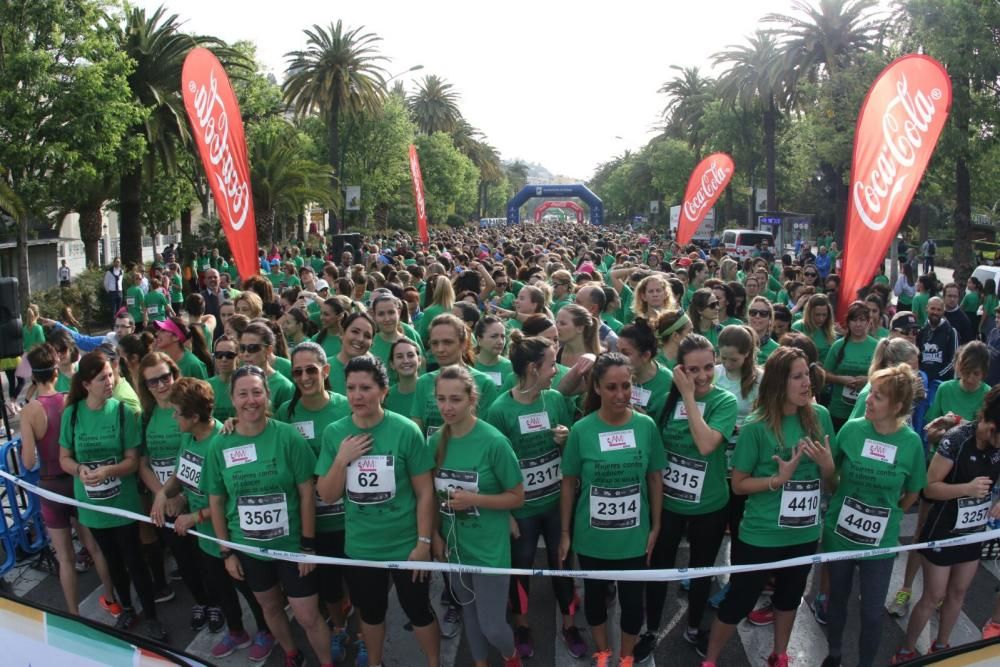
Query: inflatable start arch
[{"x": 563, "y": 191}]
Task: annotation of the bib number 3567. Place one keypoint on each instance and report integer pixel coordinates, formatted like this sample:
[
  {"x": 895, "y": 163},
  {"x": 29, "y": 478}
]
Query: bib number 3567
[{"x": 264, "y": 516}]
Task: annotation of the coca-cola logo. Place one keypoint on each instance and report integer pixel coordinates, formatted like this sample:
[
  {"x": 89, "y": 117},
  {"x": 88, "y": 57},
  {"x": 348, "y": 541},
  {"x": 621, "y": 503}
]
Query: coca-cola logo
[
  {"x": 905, "y": 125},
  {"x": 418, "y": 186},
  {"x": 713, "y": 179},
  {"x": 212, "y": 121}
]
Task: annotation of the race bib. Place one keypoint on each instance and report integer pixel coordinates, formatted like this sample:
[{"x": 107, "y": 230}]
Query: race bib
[
  {"x": 542, "y": 475},
  {"x": 534, "y": 423},
  {"x": 640, "y": 397},
  {"x": 371, "y": 479},
  {"x": 263, "y": 516},
  {"x": 189, "y": 470},
  {"x": 447, "y": 481},
  {"x": 799, "y": 504},
  {"x": 235, "y": 456},
  {"x": 684, "y": 478},
  {"x": 306, "y": 429},
  {"x": 163, "y": 468},
  {"x": 152, "y": 310},
  {"x": 497, "y": 379},
  {"x": 972, "y": 514},
  {"x": 680, "y": 412},
  {"x": 107, "y": 489},
  {"x": 431, "y": 430},
  {"x": 849, "y": 394},
  {"x": 730, "y": 450},
  {"x": 615, "y": 509},
  {"x": 612, "y": 441},
  {"x": 861, "y": 523},
  {"x": 879, "y": 451},
  {"x": 130, "y": 301}
]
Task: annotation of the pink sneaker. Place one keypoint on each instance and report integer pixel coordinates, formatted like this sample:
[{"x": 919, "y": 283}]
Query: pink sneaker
[
  {"x": 263, "y": 644},
  {"x": 231, "y": 643}
]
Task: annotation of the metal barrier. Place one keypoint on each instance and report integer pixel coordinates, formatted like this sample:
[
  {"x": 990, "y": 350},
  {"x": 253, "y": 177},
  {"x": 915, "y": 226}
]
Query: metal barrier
[{"x": 22, "y": 527}]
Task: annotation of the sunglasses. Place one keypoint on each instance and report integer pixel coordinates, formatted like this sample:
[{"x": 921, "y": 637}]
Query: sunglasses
[
  {"x": 810, "y": 275},
  {"x": 159, "y": 380},
  {"x": 225, "y": 355},
  {"x": 308, "y": 370},
  {"x": 712, "y": 304},
  {"x": 759, "y": 313},
  {"x": 252, "y": 348}
]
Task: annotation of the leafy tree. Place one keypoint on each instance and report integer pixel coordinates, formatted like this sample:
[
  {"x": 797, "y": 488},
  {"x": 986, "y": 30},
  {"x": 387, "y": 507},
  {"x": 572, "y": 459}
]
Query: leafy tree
[
  {"x": 449, "y": 177},
  {"x": 434, "y": 105},
  {"x": 687, "y": 96}
]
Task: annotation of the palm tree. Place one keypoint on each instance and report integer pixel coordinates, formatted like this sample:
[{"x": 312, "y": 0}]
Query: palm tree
[
  {"x": 158, "y": 48},
  {"x": 434, "y": 106},
  {"x": 517, "y": 175},
  {"x": 472, "y": 143},
  {"x": 755, "y": 81},
  {"x": 688, "y": 94},
  {"x": 338, "y": 75}
]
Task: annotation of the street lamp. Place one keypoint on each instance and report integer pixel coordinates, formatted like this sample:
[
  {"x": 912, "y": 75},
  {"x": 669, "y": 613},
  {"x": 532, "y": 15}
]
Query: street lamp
[{"x": 405, "y": 71}]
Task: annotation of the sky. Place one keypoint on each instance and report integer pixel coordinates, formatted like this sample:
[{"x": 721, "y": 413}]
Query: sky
[{"x": 565, "y": 84}]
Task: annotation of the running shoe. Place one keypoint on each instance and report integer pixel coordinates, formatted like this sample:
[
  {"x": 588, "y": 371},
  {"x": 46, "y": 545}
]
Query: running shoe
[
  {"x": 820, "y": 607},
  {"x": 900, "y": 604},
  {"x": 513, "y": 661},
  {"x": 777, "y": 660},
  {"x": 199, "y": 617},
  {"x": 626, "y": 661},
  {"x": 165, "y": 594},
  {"x": 112, "y": 606},
  {"x": 523, "y": 641},
  {"x": 762, "y": 616},
  {"x": 991, "y": 630},
  {"x": 718, "y": 597},
  {"x": 84, "y": 562},
  {"x": 155, "y": 630},
  {"x": 296, "y": 659},
  {"x": 216, "y": 620},
  {"x": 231, "y": 643},
  {"x": 361, "y": 657},
  {"x": 451, "y": 624},
  {"x": 902, "y": 655},
  {"x": 601, "y": 659},
  {"x": 126, "y": 619},
  {"x": 338, "y": 645},
  {"x": 644, "y": 647},
  {"x": 263, "y": 644},
  {"x": 575, "y": 644},
  {"x": 936, "y": 647},
  {"x": 697, "y": 638}
]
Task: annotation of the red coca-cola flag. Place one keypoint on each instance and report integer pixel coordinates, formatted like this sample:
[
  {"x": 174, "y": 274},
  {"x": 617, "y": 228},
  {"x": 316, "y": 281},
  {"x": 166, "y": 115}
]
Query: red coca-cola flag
[
  {"x": 218, "y": 131},
  {"x": 898, "y": 127},
  {"x": 418, "y": 195},
  {"x": 706, "y": 184}
]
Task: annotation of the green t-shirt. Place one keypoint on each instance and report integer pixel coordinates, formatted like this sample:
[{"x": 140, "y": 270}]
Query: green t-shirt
[
  {"x": 529, "y": 429},
  {"x": 283, "y": 366},
  {"x": 612, "y": 514},
  {"x": 96, "y": 438},
  {"x": 135, "y": 302},
  {"x": 765, "y": 351},
  {"x": 970, "y": 304},
  {"x": 818, "y": 337},
  {"x": 790, "y": 514},
  {"x": 398, "y": 402},
  {"x": 558, "y": 305},
  {"x": 190, "y": 462},
  {"x": 855, "y": 362},
  {"x": 223, "y": 409},
  {"x": 625, "y": 313},
  {"x": 919, "y": 307},
  {"x": 650, "y": 397},
  {"x": 381, "y": 349},
  {"x": 124, "y": 392},
  {"x": 481, "y": 461},
  {"x": 259, "y": 477},
  {"x": 950, "y": 397},
  {"x": 662, "y": 360},
  {"x": 156, "y": 306},
  {"x": 614, "y": 323},
  {"x": 498, "y": 372},
  {"x": 281, "y": 388},
  {"x": 162, "y": 441},
  {"x": 176, "y": 289},
  {"x": 875, "y": 470},
  {"x": 692, "y": 482},
  {"x": 191, "y": 366},
  {"x": 32, "y": 336},
  {"x": 425, "y": 406},
  {"x": 330, "y": 343},
  {"x": 380, "y": 511}
]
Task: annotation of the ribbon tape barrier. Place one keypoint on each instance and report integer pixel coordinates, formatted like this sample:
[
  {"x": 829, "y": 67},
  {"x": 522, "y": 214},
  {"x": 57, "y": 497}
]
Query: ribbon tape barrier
[{"x": 673, "y": 574}]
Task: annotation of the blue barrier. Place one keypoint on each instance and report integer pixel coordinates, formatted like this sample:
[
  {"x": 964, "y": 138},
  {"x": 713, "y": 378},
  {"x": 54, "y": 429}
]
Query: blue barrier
[{"x": 24, "y": 529}]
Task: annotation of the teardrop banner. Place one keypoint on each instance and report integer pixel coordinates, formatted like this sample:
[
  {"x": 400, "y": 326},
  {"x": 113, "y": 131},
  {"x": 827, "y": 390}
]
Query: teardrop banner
[
  {"x": 418, "y": 196},
  {"x": 706, "y": 184},
  {"x": 899, "y": 125},
  {"x": 217, "y": 128}
]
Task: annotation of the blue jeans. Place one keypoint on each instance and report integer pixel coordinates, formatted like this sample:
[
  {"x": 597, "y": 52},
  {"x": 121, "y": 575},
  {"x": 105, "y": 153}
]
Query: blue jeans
[{"x": 874, "y": 585}]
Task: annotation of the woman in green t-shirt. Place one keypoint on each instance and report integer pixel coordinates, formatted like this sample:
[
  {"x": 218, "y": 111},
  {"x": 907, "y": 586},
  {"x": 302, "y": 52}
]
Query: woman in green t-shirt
[
  {"x": 330, "y": 315},
  {"x": 704, "y": 314},
  {"x": 261, "y": 489},
  {"x": 387, "y": 311},
  {"x": 478, "y": 482},
  {"x": 100, "y": 441},
  {"x": 964, "y": 395},
  {"x": 847, "y": 363},
  {"x": 405, "y": 361},
  {"x": 359, "y": 330},
  {"x": 439, "y": 298},
  {"x": 225, "y": 354},
  {"x": 377, "y": 464},
  {"x": 881, "y": 468},
  {"x": 651, "y": 382},
  {"x": 192, "y": 402},
  {"x": 172, "y": 334},
  {"x": 817, "y": 323},
  {"x": 672, "y": 327},
  {"x": 256, "y": 346},
  {"x": 760, "y": 316},
  {"x": 536, "y": 420},
  {"x": 491, "y": 341},
  {"x": 972, "y": 300},
  {"x": 987, "y": 312},
  {"x": 782, "y": 457},
  {"x": 615, "y": 455}
]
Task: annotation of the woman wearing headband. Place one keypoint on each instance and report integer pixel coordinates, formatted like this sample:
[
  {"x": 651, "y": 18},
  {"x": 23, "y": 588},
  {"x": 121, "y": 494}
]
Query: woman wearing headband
[
  {"x": 170, "y": 336},
  {"x": 671, "y": 328}
]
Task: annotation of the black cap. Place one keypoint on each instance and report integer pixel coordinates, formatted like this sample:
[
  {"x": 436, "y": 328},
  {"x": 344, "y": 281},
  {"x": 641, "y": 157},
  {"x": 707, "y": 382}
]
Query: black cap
[{"x": 904, "y": 321}]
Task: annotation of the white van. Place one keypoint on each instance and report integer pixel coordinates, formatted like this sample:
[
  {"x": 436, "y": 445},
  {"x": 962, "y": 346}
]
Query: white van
[{"x": 740, "y": 243}]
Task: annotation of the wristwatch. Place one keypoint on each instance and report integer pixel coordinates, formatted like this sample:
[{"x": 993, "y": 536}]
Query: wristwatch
[
  {"x": 224, "y": 554},
  {"x": 425, "y": 540}
]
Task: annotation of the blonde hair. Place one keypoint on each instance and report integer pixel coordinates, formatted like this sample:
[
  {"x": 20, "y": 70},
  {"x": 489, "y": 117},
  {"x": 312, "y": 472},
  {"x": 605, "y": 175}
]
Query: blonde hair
[
  {"x": 898, "y": 383},
  {"x": 639, "y": 305}
]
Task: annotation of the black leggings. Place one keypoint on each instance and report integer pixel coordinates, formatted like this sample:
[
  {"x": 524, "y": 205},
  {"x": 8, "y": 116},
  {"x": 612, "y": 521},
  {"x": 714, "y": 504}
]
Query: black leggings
[
  {"x": 187, "y": 554},
  {"x": 595, "y": 593},
  {"x": 222, "y": 593},
  {"x": 745, "y": 587},
  {"x": 369, "y": 589},
  {"x": 705, "y": 533},
  {"x": 14, "y": 383},
  {"x": 121, "y": 549},
  {"x": 522, "y": 555}
]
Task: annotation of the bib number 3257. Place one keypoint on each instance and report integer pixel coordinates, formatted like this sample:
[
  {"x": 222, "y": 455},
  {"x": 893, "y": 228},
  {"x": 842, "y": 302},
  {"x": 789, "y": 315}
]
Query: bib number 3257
[
  {"x": 972, "y": 514},
  {"x": 799, "y": 504}
]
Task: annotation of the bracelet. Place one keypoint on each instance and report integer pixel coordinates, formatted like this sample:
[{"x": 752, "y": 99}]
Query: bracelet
[
  {"x": 425, "y": 540},
  {"x": 307, "y": 543},
  {"x": 224, "y": 554},
  {"x": 769, "y": 487}
]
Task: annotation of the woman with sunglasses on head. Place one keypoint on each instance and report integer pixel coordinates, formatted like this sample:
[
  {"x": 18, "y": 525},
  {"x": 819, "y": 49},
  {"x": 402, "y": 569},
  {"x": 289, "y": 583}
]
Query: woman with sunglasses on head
[
  {"x": 696, "y": 422},
  {"x": 100, "y": 441},
  {"x": 171, "y": 334},
  {"x": 376, "y": 464},
  {"x": 226, "y": 353},
  {"x": 616, "y": 456},
  {"x": 817, "y": 323},
  {"x": 704, "y": 314},
  {"x": 782, "y": 457},
  {"x": 536, "y": 420},
  {"x": 405, "y": 362},
  {"x": 847, "y": 363},
  {"x": 256, "y": 344},
  {"x": 261, "y": 494},
  {"x": 359, "y": 331}
]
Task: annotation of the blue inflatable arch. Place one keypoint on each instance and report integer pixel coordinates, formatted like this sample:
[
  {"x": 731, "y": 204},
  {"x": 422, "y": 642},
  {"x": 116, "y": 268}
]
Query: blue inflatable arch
[{"x": 562, "y": 191}]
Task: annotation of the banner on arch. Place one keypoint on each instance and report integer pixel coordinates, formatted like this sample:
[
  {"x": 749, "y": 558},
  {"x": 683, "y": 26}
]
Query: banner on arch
[{"x": 706, "y": 184}]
